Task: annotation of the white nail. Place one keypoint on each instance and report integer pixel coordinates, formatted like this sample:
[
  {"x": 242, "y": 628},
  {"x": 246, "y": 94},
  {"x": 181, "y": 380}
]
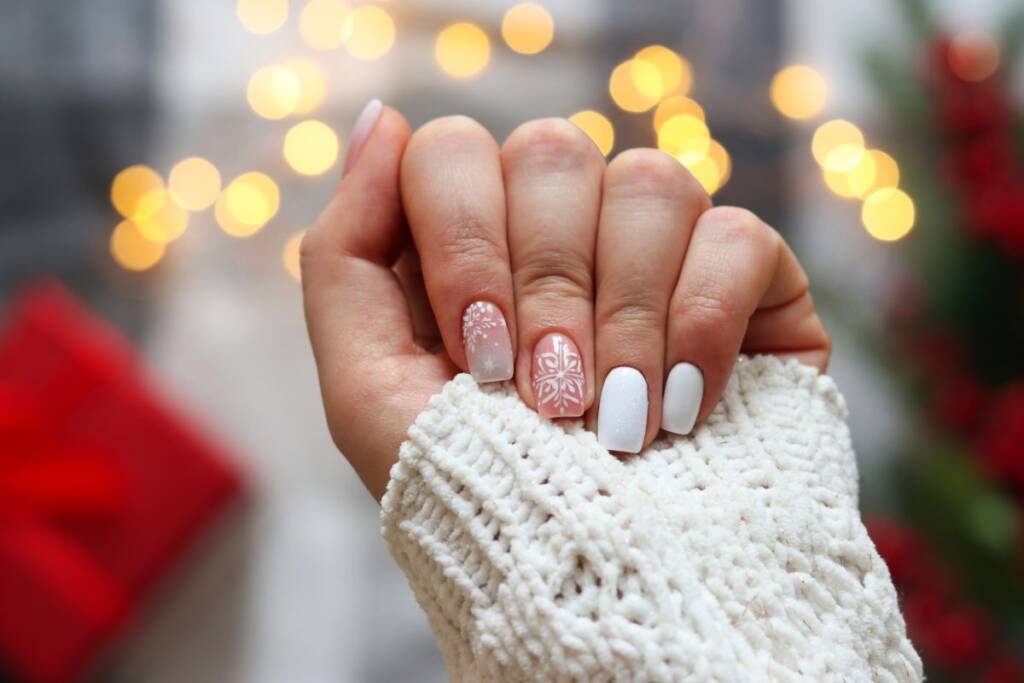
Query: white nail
[
  {"x": 684, "y": 390},
  {"x": 622, "y": 416}
]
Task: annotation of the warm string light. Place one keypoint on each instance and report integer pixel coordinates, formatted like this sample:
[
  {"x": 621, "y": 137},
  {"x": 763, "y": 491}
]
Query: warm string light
[
  {"x": 851, "y": 170},
  {"x": 597, "y": 127},
  {"x": 527, "y": 28},
  {"x": 799, "y": 92},
  {"x": 262, "y": 16},
  {"x": 462, "y": 50},
  {"x": 311, "y": 147},
  {"x": 290, "y": 255}
]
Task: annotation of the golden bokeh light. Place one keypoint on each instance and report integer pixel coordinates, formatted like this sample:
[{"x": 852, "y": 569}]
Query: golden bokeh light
[
  {"x": 854, "y": 178},
  {"x": 262, "y": 16},
  {"x": 675, "y": 72},
  {"x": 273, "y": 92},
  {"x": 527, "y": 28},
  {"x": 973, "y": 55},
  {"x": 290, "y": 255},
  {"x": 194, "y": 183},
  {"x": 131, "y": 250},
  {"x": 706, "y": 171},
  {"x": 312, "y": 84},
  {"x": 720, "y": 155},
  {"x": 322, "y": 23},
  {"x": 129, "y": 188},
  {"x": 311, "y": 147},
  {"x": 248, "y": 202},
  {"x": 887, "y": 171},
  {"x": 685, "y": 137},
  {"x": 368, "y": 32},
  {"x": 674, "y": 106},
  {"x": 462, "y": 50},
  {"x": 888, "y": 214},
  {"x": 635, "y": 86},
  {"x": 844, "y": 158},
  {"x": 597, "y": 127},
  {"x": 163, "y": 220},
  {"x": 832, "y": 135},
  {"x": 799, "y": 92}
]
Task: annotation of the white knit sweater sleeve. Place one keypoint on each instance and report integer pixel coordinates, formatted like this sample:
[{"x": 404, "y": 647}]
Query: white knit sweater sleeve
[{"x": 736, "y": 554}]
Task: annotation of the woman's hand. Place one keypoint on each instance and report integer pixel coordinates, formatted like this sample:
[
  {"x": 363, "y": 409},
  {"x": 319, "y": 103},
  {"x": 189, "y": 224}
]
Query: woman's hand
[{"x": 611, "y": 290}]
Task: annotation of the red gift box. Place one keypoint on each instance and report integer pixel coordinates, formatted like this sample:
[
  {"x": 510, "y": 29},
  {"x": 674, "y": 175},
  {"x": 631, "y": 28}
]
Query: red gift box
[{"x": 102, "y": 487}]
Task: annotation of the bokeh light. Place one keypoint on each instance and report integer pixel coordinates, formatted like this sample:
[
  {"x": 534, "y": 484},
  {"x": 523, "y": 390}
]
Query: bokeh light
[
  {"x": 290, "y": 255},
  {"x": 245, "y": 206},
  {"x": 163, "y": 219},
  {"x": 720, "y": 155},
  {"x": 322, "y": 24},
  {"x": 832, "y": 135},
  {"x": 274, "y": 92},
  {"x": 674, "y": 106},
  {"x": 706, "y": 171},
  {"x": 799, "y": 92},
  {"x": 597, "y": 127},
  {"x": 131, "y": 250},
  {"x": 194, "y": 183},
  {"x": 853, "y": 178},
  {"x": 685, "y": 137},
  {"x": 462, "y": 50},
  {"x": 311, "y": 147},
  {"x": 675, "y": 72},
  {"x": 973, "y": 55},
  {"x": 262, "y": 16},
  {"x": 887, "y": 171},
  {"x": 635, "y": 86},
  {"x": 888, "y": 214},
  {"x": 527, "y": 28},
  {"x": 130, "y": 186},
  {"x": 368, "y": 32},
  {"x": 312, "y": 84}
]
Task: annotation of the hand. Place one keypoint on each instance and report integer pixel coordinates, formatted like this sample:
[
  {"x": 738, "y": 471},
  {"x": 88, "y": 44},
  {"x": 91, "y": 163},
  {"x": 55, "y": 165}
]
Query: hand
[{"x": 441, "y": 252}]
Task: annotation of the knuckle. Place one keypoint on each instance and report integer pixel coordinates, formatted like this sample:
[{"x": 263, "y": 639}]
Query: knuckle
[
  {"x": 704, "y": 311},
  {"x": 652, "y": 172},
  {"x": 730, "y": 224},
  {"x": 633, "y": 313},
  {"x": 556, "y": 273},
  {"x": 453, "y": 132},
  {"x": 553, "y": 143}
]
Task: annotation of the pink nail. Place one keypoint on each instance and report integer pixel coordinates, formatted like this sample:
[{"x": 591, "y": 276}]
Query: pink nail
[
  {"x": 361, "y": 131},
  {"x": 558, "y": 380},
  {"x": 487, "y": 342}
]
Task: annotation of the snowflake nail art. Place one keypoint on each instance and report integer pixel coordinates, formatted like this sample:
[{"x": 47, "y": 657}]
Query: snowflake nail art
[
  {"x": 487, "y": 342},
  {"x": 558, "y": 379}
]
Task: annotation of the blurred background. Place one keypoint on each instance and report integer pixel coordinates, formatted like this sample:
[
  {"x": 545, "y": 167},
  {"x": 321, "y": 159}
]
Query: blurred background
[{"x": 171, "y": 505}]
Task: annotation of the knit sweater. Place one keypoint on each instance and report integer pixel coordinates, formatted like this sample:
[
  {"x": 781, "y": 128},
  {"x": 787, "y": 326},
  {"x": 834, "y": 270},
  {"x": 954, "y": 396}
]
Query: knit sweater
[{"x": 734, "y": 554}]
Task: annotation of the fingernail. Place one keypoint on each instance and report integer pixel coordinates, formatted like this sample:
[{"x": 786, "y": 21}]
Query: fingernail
[
  {"x": 487, "y": 342},
  {"x": 622, "y": 416},
  {"x": 558, "y": 381},
  {"x": 684, "y": 390},
  {"x": 361, "y": 131}
]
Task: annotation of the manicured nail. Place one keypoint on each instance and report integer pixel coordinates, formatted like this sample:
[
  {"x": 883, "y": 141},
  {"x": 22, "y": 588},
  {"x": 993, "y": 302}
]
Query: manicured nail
[
  {"x": 684, "y": 390},
  {"x": 487, "y": 342},
  {"x": 622, "y": 417},
  {"x": 558, "y": 381},
  {"x": 361, "y": 131}
]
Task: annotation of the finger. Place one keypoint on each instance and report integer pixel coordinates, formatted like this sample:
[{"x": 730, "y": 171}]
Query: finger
[
  {"x": 455, "y": 203},
  {"x": 552, "y": 176},
  {"x": 649, "y": 207},
  {"x": 736, "y": 268},
  {"x": 410, "y": 276},
  {"x": 357, "y": 316}
]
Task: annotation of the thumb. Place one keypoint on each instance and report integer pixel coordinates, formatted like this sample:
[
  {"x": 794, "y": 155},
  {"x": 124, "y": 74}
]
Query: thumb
[{"x": 372, "y": 374}]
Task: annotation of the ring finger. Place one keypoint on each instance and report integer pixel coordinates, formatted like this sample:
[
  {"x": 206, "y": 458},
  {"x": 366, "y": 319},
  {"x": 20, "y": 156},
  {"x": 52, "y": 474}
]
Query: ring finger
[{"x": 649, "y": 208}]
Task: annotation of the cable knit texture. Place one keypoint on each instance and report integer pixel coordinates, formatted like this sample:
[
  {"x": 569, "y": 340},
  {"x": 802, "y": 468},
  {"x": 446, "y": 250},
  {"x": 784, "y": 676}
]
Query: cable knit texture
[{"x": 735, "y": 554}]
